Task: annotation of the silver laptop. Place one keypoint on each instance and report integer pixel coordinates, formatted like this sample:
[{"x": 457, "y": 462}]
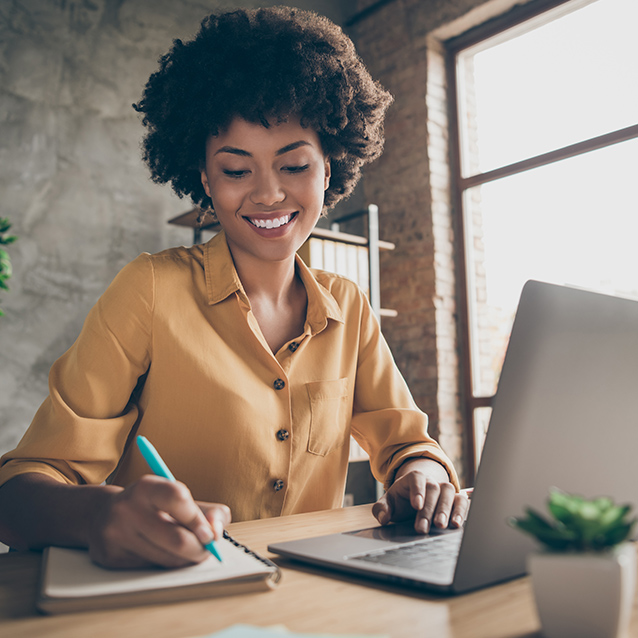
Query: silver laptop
[{"x": 565, "y": 415}]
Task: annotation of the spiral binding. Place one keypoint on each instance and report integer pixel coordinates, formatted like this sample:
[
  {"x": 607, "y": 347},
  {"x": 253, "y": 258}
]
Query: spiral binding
[{"x": 277, "y": 572}]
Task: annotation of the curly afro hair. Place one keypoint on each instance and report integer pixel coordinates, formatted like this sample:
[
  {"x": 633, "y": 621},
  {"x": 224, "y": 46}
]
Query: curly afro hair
[{"x": 262, "y": 65}]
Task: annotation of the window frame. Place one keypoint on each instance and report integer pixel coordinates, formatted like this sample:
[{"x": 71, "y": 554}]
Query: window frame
[{"x": 528, "y": 16}]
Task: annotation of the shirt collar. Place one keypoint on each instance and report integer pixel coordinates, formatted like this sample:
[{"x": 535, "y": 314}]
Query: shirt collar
[
  {"x": 321, "y": 304},
  {"x": 222, "y": 281}
]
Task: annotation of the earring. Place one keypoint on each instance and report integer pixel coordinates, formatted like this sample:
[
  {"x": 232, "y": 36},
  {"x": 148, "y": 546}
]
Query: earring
[{"x": 204, "y": 213}]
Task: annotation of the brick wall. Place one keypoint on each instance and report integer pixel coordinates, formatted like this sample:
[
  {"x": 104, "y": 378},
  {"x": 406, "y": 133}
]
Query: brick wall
[
  {"x": 401, "y": 41},
  {"x": 411, "y": 185}
]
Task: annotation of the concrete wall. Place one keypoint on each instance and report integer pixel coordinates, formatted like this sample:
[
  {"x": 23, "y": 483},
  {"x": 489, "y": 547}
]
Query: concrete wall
[{"x": 71, "y": 178}]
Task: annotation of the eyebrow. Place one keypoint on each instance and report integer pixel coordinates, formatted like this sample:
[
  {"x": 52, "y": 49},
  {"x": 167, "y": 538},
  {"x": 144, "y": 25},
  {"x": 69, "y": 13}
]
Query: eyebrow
[{"x": 242, "y": 153}]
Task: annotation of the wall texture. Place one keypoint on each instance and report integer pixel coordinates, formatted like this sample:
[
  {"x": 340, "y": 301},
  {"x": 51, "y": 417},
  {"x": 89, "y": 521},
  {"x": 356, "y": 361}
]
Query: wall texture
[{"x": 71, "y": 178}]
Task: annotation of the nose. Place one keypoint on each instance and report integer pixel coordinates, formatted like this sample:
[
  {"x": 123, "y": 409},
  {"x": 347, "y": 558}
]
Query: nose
[{"x": 267, "y": 189}]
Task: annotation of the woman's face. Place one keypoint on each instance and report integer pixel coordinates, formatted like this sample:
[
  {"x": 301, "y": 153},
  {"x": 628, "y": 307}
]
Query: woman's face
[{"x": 267, "y": 186}]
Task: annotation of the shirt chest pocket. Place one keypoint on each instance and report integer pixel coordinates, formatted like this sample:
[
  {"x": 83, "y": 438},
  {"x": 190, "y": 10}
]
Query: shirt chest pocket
[{"x": 329, "y": 415}]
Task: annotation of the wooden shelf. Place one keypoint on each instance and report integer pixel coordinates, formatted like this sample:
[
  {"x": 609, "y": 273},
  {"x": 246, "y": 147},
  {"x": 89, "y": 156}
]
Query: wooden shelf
[{"x": 347, "y": 238}]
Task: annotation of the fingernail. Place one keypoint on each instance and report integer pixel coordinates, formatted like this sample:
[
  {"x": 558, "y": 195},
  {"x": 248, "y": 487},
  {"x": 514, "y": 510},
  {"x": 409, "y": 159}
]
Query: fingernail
[
  {"x": 384, "y": 518},
  {"x": 457, "y": 520},
  {"x": 218, "y": 528},
  {"x": 423, "y": 525},
  {"x": 419, "y": 502},
  {"x": 441, "y": 520},
  {"x": 204, "y": 534}
]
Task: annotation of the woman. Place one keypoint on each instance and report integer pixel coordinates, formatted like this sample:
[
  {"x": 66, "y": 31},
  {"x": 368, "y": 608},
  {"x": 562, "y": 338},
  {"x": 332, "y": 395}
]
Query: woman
[{"x": 246, "y": 370}]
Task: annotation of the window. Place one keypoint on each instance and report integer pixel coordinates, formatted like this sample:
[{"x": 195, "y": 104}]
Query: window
[{"x": 545, "y": 145}]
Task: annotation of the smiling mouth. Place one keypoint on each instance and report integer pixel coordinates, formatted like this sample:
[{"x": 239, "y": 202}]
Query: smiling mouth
[{"x": 275, "y": 222}]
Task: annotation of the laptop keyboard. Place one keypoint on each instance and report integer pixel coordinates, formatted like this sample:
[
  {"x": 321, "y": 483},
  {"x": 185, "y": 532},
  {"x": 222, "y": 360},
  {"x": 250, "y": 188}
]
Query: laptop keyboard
[{"x": 437, "y": 555}]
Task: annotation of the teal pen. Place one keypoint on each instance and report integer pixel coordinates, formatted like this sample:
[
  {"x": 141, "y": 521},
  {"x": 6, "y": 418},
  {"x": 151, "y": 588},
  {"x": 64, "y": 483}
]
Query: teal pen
[{"x": 157, "y": 465}]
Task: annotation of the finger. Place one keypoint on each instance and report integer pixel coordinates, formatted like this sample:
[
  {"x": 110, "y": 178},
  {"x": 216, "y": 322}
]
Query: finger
[
  {"x": 137, "y": 535},
  {"x": 406, "y": 495},
  {"x": 444, "y": 505},
  {"x": 144, "y": 550},
  {"x": 172, "y": 522},
  {"x": 459, "y": 510},
  {"x": 425, "y": 514},
  {"x": 218, "y": 516},
  {"x": 175, "y": 499},
  {"x": 417, "y": 486},
  {"x": 382, "y": 510},
  {"x": 164, "y": 540},
  {"x": 117, "y": 558},
  {"x": 169, "y": 544}
]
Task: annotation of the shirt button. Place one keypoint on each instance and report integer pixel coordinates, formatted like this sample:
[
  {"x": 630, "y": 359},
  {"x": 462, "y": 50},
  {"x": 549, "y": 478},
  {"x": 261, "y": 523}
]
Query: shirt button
[
  {"x": 283, "y": 435},
  {"x": 293, "y": 346},
  {"x": 278, "y": 485},
  {"x": 279, "y": 384}
]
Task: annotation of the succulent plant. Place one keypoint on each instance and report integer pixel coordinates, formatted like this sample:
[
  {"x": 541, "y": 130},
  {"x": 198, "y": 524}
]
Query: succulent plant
[
  {"x": 5, "y": 260},
  {"x": 578, "y": 524}
]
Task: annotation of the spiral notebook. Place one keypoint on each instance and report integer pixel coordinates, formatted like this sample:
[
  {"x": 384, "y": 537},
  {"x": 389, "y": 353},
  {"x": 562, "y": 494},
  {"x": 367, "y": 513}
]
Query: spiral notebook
[{"x": 71, "y": 582}]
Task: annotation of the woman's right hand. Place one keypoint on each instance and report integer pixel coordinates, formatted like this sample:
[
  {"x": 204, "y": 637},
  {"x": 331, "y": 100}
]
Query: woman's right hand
[{"x": 154, "y": 522}]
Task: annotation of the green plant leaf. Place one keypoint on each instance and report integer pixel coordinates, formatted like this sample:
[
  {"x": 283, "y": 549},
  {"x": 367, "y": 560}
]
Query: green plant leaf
[
  {"x": 588, "y": 511},
  {"x": 533, "y": 522},
  {"x": 604, "y": 503},
  {"x": 5, "y": 264},
  {"x": 553, "y": 538},
  {"x": 561, "y": 509},
  {"x": 617, "y": 535},
  {"x": 5, "y": 260},
  {"x": 614, "y": 516},
  {"x": 577, "y": 523},
  {"x": 538, "y": 518}
]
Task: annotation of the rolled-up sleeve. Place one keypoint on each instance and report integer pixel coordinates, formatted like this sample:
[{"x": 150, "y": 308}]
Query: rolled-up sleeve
[
  {"x": 79, "y": 432},
  {"x": 386, "y": 421}
]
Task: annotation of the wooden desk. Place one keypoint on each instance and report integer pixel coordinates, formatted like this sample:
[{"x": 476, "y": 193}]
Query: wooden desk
[{"x": 307, "y": 600}]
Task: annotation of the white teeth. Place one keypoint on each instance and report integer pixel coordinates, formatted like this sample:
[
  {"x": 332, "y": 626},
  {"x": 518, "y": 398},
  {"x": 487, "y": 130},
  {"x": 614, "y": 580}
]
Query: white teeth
[{"x": 270, "y": 223}]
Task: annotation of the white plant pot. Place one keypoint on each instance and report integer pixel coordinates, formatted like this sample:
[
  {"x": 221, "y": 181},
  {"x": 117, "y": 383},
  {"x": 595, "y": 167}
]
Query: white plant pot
[{"x": 586, "y": 595}]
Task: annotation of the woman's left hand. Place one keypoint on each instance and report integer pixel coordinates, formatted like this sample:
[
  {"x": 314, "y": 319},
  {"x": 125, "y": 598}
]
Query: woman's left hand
[{"x": 422, "y": 489}]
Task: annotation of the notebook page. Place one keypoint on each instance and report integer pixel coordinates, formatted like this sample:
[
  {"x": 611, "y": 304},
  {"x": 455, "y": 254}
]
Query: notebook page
[{"x": 70, "y": 573}]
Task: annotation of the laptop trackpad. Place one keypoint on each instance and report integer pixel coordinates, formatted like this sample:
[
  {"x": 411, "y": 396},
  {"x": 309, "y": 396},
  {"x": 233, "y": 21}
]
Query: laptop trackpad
[{"x": 398, "y": 533}]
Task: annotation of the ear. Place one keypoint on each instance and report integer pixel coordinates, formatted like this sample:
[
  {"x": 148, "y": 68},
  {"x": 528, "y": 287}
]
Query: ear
[
  {"x": 326, "y": 180},
  {"x": 205, "y": 183}
]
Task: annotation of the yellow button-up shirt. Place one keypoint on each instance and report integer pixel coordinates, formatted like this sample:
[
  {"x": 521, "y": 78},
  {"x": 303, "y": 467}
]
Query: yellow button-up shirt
[{"x": 172, "y": 351}]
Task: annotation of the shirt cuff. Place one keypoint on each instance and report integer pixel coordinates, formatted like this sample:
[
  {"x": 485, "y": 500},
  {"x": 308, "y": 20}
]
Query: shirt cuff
[
  {"x": 15, "y": 467},
  {"x": 437, "y": 456}
]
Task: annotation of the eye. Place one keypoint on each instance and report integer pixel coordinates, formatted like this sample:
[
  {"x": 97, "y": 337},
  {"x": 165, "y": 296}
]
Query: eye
[
  {"x": 235, "y": 174},
  {"x": 296, "y": 169}
]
